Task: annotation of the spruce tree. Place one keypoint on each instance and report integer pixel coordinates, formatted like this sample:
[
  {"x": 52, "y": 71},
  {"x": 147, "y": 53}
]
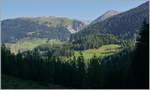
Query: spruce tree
[{"x": 140, "y": 64}]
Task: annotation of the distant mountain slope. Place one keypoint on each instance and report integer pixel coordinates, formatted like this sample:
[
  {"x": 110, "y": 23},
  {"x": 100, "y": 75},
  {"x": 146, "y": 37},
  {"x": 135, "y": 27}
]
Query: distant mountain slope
[
  {"x": 124, "y": 25},
  {"x": 39, "y": 27},
  {"x": 105, "y": 16},
  {"x": 52, "y": 21}
]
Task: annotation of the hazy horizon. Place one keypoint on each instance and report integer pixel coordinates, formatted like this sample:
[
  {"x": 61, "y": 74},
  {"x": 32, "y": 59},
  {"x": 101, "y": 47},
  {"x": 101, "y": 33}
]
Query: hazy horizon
[{"x": 80, "y": 10}]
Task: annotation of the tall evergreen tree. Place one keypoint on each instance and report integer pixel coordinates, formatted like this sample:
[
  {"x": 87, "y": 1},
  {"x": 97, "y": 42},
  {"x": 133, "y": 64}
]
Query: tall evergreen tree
[
  {"x": 140, "y": 64},
  {"x": 81, "y": 70},
  {"x": 94, "y": 73}
]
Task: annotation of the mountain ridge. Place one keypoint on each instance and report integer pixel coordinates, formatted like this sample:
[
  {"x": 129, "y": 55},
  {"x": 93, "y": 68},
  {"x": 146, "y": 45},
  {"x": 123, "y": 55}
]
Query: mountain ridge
[
  {"x": 105, "y": 16},
  {"x": 42, "y": 27},
  {"x": 120, "y": 24}
]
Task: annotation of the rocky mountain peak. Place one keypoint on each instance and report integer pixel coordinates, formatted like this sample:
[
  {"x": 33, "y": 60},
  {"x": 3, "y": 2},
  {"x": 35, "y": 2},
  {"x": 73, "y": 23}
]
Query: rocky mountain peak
[{"x": 106, "y": 15}]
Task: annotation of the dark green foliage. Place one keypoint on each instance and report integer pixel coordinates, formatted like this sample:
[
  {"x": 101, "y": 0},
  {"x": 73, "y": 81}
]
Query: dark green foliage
[
  {"x": 7, "y": 60},
  {"x": 73, "y": 73},
  {"x": 9, "y": 82},
  {"x": 29, "y": 65},
  {"x": 92, "y": 41},
  {"x": 128, "y": 44},
  {"x": 56, "y": 50},
  {"x": 140, "y": 63},
  {"x": 126, "y": 69},
  {"x": 115, "y": 70},
  {"x": 94, "y": 73},
  {"x": 81, "y": 70}
]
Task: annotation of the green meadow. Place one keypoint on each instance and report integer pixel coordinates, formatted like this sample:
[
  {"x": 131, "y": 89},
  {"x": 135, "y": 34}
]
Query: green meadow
[
  {"x": 105, "y": 50},
  {"x": 25, "y": 45}
]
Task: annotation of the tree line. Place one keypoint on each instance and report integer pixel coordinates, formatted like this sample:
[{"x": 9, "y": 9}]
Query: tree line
[
  {"x": 126, "y": 69},
  {"x": 73, "y": 73},
  {"x": 92, "y": 41}
]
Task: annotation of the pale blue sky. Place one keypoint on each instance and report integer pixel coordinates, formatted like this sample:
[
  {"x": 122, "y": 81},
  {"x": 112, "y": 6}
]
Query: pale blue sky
[{"x": 76, "y": 9}]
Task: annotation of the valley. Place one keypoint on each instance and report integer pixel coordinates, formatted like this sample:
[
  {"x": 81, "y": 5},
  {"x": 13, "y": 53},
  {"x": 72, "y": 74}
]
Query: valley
[
  {"x": 52, "y": 52},
  {"x": 22, "y": 46}
]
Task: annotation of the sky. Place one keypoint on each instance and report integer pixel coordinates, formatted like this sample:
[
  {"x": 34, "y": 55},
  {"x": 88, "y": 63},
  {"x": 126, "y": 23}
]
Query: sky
[{"x": 75, "y": 9}]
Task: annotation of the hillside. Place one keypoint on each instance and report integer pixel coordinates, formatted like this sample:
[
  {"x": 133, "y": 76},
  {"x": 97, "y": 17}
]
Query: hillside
[
  {"x": 105, "y": 16},
  {"x": 39, "y": 27},
  {"x": 49, "y": 52},
  {"x": 105, "y": 50},
  {"x": 24, "y": 45},
  {"x": 124, "y": 25}
]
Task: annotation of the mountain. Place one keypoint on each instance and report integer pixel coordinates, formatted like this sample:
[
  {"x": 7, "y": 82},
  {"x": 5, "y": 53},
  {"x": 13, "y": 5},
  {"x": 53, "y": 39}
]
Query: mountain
[
  {"x": 39, "y": 27},
  {"x": 124, "y": 25},
  {"x": 106, "y": 15},
  {"x": 116, "y": 29},
  {"x": 87, "y": 22}
]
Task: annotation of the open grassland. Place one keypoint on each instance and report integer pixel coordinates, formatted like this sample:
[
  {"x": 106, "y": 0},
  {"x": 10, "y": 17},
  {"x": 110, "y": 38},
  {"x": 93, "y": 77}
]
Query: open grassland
[
  {"x": 102, "y": 51},
  {"x": 105, "y": 50},
  {"x": 29, "y": 44}
]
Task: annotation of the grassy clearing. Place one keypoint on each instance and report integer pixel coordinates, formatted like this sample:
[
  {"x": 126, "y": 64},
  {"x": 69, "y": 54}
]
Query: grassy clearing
[
  {"x": 9, "y": 82},
  {"x": 105, "y": 50},
  {"x": 100, "y": 52},
  {"x": 29, "y": 44}
]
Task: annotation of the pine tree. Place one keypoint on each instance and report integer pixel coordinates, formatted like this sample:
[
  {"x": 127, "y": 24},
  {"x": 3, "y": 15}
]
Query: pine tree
[
  {"x": 140, "y": 64},
  {"x": 81, "y": 70},
  {"x": 94, "y": 73}
]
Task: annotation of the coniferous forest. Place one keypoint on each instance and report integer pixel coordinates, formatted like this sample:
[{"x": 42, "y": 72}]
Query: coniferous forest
[
  {"x": 53, "y": 52},
  {"x": 126, "y": 69}
]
